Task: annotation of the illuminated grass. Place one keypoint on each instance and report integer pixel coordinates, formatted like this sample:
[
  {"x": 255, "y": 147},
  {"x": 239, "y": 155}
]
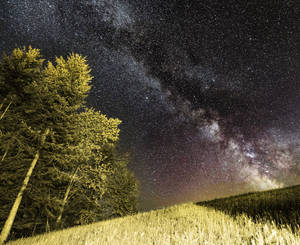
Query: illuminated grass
[{"x": 182, "y": 224}]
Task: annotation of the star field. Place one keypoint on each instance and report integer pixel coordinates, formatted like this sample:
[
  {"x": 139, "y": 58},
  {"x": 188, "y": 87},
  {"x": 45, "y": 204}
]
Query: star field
[{"x": 208, "y": 91}]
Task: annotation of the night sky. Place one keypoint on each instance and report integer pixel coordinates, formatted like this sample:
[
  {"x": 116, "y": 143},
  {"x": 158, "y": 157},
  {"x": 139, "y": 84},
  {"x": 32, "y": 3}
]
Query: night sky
[{"x": 208, "y": 91}]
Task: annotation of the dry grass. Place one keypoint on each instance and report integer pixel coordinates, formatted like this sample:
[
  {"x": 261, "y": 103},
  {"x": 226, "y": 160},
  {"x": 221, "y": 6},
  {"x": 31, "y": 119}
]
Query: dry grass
[{"x": 183, "y": 224}]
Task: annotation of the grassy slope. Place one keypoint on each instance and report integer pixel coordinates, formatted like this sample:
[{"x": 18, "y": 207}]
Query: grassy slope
[
  {"x": 281, "y": 206},
  {"x": 225, "y": 223}
]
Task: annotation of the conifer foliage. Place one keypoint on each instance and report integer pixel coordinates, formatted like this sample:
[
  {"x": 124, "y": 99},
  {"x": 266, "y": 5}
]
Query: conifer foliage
[{"x": 65, "y": 150}]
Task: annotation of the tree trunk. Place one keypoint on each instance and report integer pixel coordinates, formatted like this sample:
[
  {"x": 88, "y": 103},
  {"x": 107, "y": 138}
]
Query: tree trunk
[
  {"x": 2, "y": 115},
  {"x": 6, "y": 109},
  {"x": 9, "y": 222},
  {"x": 2, "y": 103},
  {"x": 12, "y": 214},
  {"x": 4, "y": 155},
  {"x": 65, "y": 199}
]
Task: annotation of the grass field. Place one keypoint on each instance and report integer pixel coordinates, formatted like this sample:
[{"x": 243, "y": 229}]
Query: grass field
[
  {"x": 270, "y": 217},
  {"x": 280, "y": 206}
]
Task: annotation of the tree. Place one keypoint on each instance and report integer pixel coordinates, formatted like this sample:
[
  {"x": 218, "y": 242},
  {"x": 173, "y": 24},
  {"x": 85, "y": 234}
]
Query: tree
[
  {"x": 12, "y": 214},
  {"x": 16, "y": 74},
  {"x": 89, "y": 181},
  {"x": 45, "y": 122},
  {"x": 122, "y": 189},
  {"x": 102, "y": 191}
]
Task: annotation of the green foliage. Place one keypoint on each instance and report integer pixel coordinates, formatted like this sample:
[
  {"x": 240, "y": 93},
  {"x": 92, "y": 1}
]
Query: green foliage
[
  {"x": 69, "y": 79},
  {"x": 101, "y": 191},
  {"x": 18, "y": 72},
  {"x": 77, "y": 161},
  {"x": 121, "y": 197}
]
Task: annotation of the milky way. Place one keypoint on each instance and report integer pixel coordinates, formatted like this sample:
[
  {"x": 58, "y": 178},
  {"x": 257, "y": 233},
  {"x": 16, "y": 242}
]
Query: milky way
[{"x": 208, "y": 91}]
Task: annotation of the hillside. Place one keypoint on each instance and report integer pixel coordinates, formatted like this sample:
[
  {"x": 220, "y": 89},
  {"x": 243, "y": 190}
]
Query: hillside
[
  {"x": 270, "y": 217},
  {"x": 281, "y": 206}
]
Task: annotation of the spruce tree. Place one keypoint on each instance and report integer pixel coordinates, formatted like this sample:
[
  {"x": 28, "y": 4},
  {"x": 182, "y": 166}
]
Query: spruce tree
[
  {"x": 40, "y": 100},
  {"x": 67, "y": 149},
  {"x": 18, "y": 144}
]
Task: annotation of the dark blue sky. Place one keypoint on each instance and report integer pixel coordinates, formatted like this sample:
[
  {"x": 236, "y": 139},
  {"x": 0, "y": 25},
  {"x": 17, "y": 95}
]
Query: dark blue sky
[{"x": 208, "y": 91}]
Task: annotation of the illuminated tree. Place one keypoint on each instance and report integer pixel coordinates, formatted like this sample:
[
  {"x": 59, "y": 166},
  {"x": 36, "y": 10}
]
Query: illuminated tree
[{"x": 49, "y": 136}]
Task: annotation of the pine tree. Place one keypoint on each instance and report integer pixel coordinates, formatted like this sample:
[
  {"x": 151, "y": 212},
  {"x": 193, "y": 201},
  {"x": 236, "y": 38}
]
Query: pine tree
[
  {"x": 123, "y": 188},
  {"x": 44, "y": 121},
  {"x": 17, "y": 73},
  {"x": 101, "y": 190},
  {"x": 42, "y": 100},
  {"x": 88, "y": 183}
]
